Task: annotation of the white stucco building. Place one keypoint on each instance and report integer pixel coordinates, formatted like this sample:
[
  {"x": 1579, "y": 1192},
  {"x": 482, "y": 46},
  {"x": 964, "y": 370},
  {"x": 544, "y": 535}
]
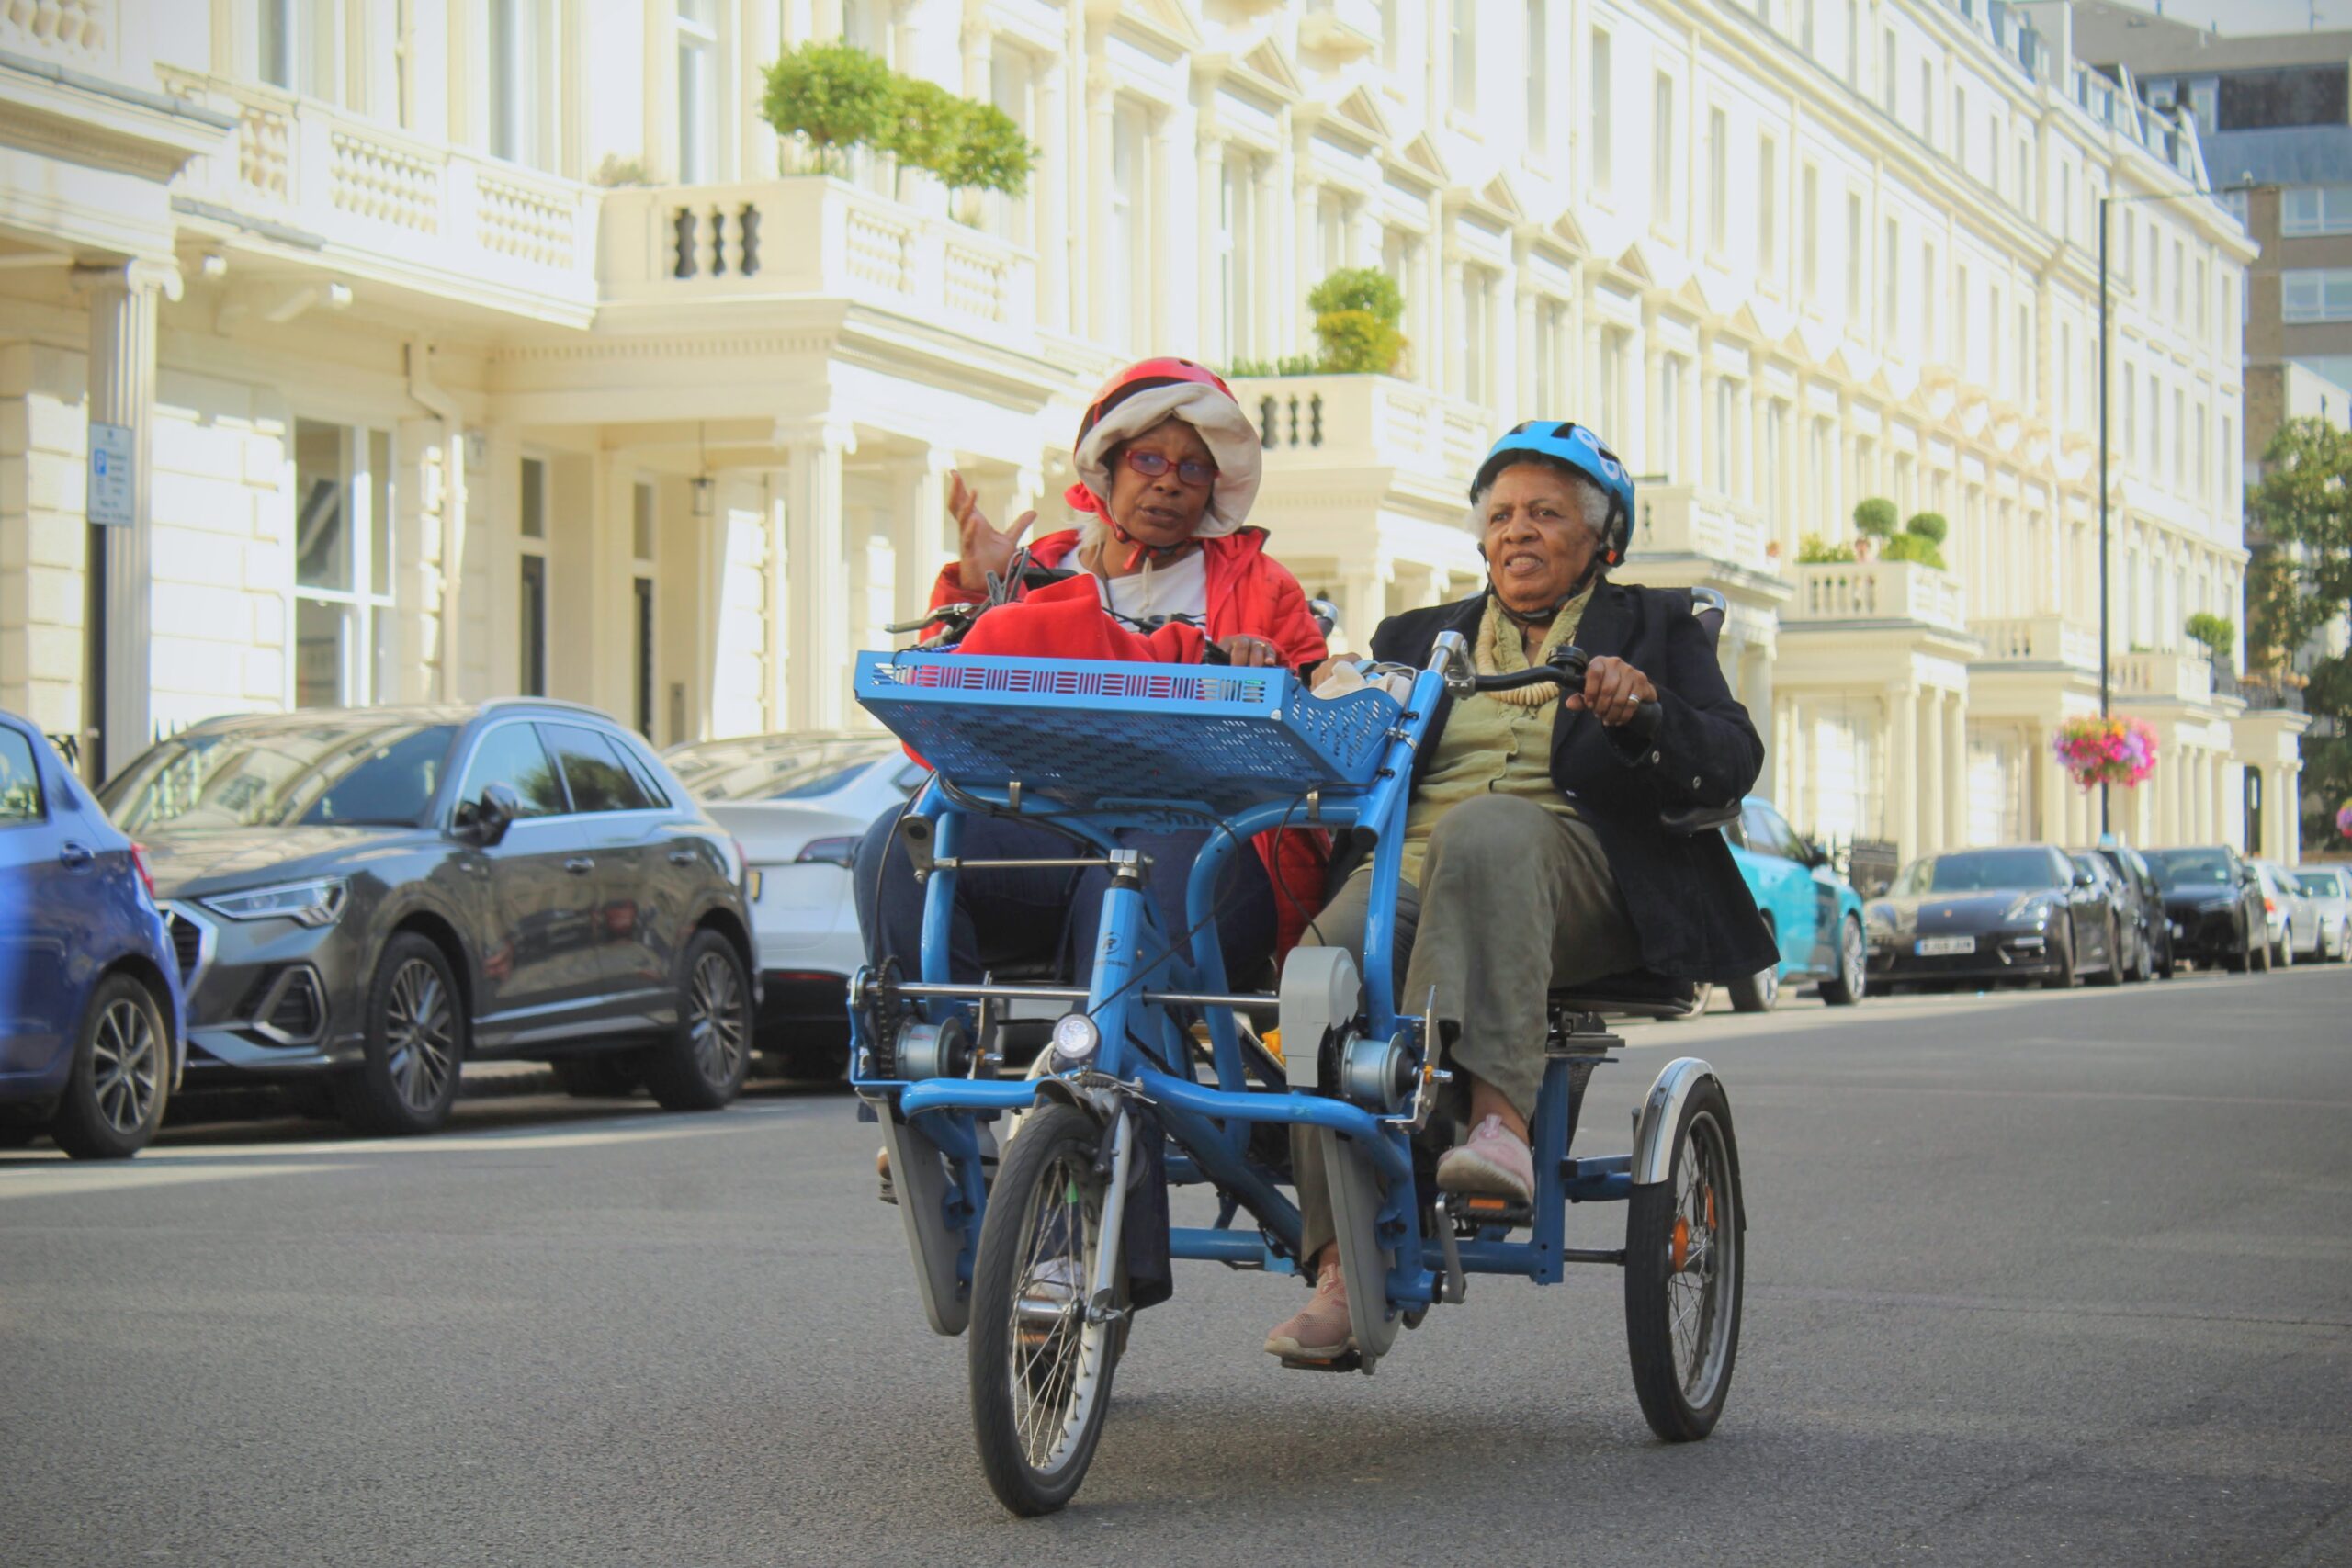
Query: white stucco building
[{"x": 425, "y": 410}]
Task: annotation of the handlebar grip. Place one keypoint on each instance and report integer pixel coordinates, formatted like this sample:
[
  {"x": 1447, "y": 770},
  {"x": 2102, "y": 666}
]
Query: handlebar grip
[{"x": 1212, "y": 654}]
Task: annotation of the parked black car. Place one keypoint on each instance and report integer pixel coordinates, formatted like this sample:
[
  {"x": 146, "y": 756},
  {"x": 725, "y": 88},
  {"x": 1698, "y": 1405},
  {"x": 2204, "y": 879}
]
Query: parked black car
[
  {"x": 371, "y": 897},
  {"x": 2214, "y": 900},
  {"x": 2131, "y": 959},
  {"x": 2024, "y": 912},
  {"x": 2154, "y": 957}
]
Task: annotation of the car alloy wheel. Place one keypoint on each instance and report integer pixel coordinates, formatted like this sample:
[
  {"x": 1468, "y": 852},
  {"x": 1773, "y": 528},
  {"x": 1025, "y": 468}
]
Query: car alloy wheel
[
  {"x": 125, "y": 1062},
  {"x": 715, "y": 1016},
  {"x": 419, "y": 1036}
]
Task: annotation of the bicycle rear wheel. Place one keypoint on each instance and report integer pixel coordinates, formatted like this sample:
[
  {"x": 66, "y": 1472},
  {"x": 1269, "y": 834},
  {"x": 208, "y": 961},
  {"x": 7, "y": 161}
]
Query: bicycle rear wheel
[
  {"x": 1040, "y": 1366},
  {"x": 1685, "y": 1240}
]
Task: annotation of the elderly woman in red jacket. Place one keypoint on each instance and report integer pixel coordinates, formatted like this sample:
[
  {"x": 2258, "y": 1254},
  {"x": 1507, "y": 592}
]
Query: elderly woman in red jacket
[{"x": 1168, "y": 464}]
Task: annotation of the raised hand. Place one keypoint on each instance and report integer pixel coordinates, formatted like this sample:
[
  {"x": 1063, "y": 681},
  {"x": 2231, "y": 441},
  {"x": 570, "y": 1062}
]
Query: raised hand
[{"x": 981, "y": 547}]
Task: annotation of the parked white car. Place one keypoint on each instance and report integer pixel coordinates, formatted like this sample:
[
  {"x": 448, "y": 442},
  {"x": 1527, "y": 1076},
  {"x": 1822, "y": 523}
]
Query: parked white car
[
  {"x": 798, "y": 805},
  {"x": 2294, "y": 928},
  {"x": 2328, "y": 890}
]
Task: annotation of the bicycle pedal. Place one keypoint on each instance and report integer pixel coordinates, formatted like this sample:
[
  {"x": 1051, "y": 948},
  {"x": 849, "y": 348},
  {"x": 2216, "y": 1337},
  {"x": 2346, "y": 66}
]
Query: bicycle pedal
[
  {"x": 1476, "y": 1213},
  {"x": 1345, "y": 1361}
]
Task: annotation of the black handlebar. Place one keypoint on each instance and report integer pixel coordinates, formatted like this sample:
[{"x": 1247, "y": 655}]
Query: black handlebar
[{"x": 1565, "y": 669}]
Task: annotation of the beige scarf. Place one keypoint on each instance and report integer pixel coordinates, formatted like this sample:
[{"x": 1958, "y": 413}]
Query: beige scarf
[{"x": 1501, "y": 649}]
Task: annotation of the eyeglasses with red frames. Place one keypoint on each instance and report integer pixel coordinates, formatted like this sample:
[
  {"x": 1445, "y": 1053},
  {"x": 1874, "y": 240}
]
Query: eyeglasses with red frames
[{"x": 1151, "y": 465}]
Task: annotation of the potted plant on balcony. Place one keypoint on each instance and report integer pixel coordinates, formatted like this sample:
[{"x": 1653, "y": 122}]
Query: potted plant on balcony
[
  {"x": 1356, "y": 313},
  {"x": 829, "y": 97},
  {"x": 967, "y": 145},
  {"x": 2114, "y": 751},
  {"x": 1921, "y": 540},
  {"x": 1814, "y": 550},
  {"x": 2217, "y": 633},
  {"x": 1873, "y": 526}
]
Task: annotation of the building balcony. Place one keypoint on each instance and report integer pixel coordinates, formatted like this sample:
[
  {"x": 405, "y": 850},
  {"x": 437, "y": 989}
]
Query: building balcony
[
  {"x": 1683, "y": 520},
  {"x": 2039, "y": 639},
  {"x": 305, "y": 181},
  {"x": 1355, "y": 423},
  {"x": 1876, "y": 593},
  {"x": 2165, "y": 677},
  {"x": 811, "y": 236}
]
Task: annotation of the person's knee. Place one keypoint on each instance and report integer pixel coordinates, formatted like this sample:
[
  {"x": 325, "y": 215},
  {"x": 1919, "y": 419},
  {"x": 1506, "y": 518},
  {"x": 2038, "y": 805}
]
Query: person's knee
[{"x": 1490, "y": 833}]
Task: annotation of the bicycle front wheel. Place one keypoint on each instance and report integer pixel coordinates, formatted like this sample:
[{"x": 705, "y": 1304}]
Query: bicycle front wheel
[{"x": 1040, "y": 1363}]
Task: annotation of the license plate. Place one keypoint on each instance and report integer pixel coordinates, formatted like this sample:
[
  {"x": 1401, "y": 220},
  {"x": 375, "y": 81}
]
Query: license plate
[{"x": 1944, "y": 946}]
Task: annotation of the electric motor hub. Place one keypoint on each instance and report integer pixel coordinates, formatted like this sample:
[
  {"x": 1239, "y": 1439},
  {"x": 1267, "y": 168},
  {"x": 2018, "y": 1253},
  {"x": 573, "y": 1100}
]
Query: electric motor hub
[{"x": 1379, "y": 1075}]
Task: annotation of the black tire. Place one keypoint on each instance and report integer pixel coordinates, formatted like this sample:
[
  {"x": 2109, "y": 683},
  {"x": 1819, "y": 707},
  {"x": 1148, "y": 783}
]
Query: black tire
[
  {"x": 121, "y": 1075},
  {"x": 1760, "y": 991},
  {"x": 2238, "y": 963},
  {"x": 1700, "y": 1196},
  {"x": 416, "y": 1048},
  {"x": 2063, "y": 977},
  {"x": 702, "y": 1066},
  {"x": 2282, "y": 952},
  {"x": 608, "y": 1075},
  {"x": 1027, "y": 1254},
  {"x": 2113, "y": 974},
  {"x": 1853, "y": 977}
]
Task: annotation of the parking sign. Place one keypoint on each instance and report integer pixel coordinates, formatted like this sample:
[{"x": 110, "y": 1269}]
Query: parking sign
[{"x": 111, "y": 460}]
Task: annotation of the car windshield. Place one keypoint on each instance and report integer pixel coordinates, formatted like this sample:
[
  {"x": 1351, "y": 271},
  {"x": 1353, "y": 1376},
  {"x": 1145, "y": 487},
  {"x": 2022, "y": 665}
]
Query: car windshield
[
  {"x": 330, "y": 769},
  {"x": 2189, "y": 868},
  {"x": 773, "y": 767},
  {"x": 1977, "y": 870},
  {"x": 2326, "y": 884}
]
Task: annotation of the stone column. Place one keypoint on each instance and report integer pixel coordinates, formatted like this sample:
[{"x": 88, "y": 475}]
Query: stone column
[
  {"x": 1099, "y": 106},
  {"x": 1903, "y": 772},
  {"x": 2050, "y": 819},
  {"x": 1364, "y": 603},
  {"x": 2291, "y": 790},
  {"x": 1956, "y": 770},
  {"x": 1934, "y": 784},
  {"x": 1215, "y": 340},
  {"x": 1055, "y": 234},
  {"x": 123, "y": 302},
  {"x": 818, "y": 579},
  {"x": 921, "y": 507},
  {"x": 1457, "y": 369}
]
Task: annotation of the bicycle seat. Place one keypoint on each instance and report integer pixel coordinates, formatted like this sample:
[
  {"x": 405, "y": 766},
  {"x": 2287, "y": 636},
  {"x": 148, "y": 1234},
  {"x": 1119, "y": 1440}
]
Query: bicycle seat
[{"x": 1635, "y": 993}]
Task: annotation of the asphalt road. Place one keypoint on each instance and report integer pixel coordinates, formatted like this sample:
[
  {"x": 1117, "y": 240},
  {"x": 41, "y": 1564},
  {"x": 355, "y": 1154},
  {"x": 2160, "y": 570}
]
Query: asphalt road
[{"x": 2033, "y": 1279}]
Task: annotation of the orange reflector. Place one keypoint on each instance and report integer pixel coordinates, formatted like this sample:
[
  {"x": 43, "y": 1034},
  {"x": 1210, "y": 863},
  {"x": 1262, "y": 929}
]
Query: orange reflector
[
  {"x": 1681, "y": 1242},
  {"x": 1710, "y": 1207},
  {"x": 1476, "y": 1205}
]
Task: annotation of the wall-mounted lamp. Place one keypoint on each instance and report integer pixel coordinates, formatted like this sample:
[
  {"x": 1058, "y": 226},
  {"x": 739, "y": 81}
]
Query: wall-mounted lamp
[{"x": 703, "y": 484}]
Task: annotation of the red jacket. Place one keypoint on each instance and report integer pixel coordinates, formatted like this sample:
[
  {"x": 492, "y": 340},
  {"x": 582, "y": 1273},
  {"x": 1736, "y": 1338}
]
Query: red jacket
[{"x": 1249, "y": 590}]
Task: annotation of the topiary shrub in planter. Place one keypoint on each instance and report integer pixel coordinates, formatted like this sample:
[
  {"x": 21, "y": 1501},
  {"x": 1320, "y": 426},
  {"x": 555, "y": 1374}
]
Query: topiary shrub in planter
[
  {"x": 1921, "y": 540},
  {"x": 1874, "y": 518},
  {"x": 2219, "y": 635},
  {"x": 1356, "y": 312},
  {"x": 830, "y": 97}
]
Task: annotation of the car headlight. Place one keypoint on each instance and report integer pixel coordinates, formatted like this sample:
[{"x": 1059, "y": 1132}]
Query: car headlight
[
  {"x": 2033, "y": 907},
  {"x": 318, "y": 902},
  {"x": 1878, "y": 917}
]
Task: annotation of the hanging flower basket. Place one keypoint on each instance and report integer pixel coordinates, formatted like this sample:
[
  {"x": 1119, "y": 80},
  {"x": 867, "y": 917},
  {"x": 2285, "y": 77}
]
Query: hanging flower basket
[
  {"x": 2344, "y": 819},
  {"x": 2106, "y": 750}
]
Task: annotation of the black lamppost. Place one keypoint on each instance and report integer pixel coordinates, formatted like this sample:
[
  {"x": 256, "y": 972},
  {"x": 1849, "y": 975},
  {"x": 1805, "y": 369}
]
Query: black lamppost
[{"x": 2104, "y": 393}]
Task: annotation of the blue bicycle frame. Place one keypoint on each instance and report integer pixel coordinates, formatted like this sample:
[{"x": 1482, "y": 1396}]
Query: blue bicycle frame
[{"x": 1148, "y": 985}]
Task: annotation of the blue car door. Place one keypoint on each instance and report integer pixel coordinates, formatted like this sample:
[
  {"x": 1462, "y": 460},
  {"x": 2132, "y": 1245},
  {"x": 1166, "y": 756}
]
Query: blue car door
[
  {"x": 43, "y": 870},
  {"x": 1785, "y": 889}
]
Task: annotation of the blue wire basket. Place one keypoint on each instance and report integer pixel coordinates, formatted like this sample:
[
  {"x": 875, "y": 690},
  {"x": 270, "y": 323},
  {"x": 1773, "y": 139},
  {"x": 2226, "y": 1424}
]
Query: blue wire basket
[{"x": 1100, "y": 734}]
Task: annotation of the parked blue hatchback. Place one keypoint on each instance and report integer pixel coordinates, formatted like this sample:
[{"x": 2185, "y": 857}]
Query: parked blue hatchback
[
  {"x": 90, "y": 1024},
  {"x": 1815, "y": 915}
]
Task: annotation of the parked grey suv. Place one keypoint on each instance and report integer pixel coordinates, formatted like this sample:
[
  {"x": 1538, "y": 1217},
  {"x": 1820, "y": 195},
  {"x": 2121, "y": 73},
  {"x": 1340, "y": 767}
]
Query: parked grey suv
[{"x": 372, "y": 897}]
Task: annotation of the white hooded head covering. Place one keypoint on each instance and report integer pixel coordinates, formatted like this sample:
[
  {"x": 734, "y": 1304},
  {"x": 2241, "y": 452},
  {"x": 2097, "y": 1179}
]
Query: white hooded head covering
[{"x": 1231, "y": 439}]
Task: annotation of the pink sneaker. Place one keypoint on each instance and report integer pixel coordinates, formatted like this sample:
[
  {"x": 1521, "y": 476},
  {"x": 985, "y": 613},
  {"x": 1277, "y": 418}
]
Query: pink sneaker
[
  {"x": 1490, "y": 1163},
  {"x": 1319, "y": 1331}
]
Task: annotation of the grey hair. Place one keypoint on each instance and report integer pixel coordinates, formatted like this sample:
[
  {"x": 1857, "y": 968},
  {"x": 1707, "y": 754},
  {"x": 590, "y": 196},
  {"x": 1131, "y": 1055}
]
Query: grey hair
[{"x": 1596, "y": 502}]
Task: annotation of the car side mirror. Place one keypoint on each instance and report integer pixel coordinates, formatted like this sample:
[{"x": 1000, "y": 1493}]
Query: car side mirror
[
  {"x": 2084, "y": 878},
  {"x": 487, "y": 819}
]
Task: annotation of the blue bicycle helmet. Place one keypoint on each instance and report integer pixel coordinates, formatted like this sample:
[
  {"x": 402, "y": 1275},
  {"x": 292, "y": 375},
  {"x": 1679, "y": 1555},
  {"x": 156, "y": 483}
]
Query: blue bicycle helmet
[{"x": 1574, "y": 446}]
